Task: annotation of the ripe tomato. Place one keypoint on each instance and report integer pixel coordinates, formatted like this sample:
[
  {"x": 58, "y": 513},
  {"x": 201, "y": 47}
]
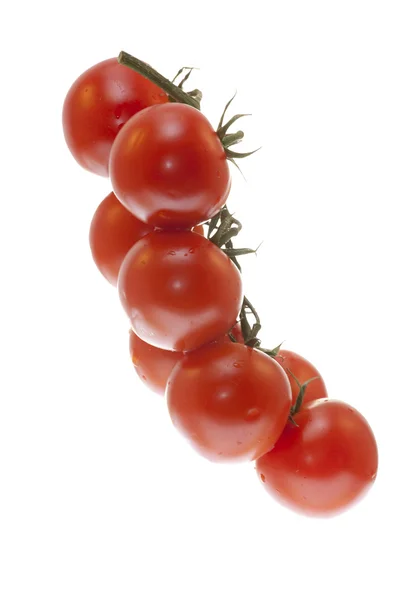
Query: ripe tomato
[
  {"x": 303, "y": 370},
  {"x": 113, "y": 232},
  {"x": 230, "y": 401},
  {"x": 98, "y": 104},
  {"x": 169, "y": 168},
  {"x": 325, "y": 464},
  {"x": 153, "y": 365},
  {"x": 179, "y": 290}
]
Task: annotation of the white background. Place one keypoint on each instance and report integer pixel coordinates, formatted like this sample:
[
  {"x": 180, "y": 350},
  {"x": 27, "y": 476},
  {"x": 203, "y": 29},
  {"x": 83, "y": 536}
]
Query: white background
[{"x": 99, "y": 497}]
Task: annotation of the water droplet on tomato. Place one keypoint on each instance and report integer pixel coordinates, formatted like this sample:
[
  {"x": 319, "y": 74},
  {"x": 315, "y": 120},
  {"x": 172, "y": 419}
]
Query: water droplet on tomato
[
  {"x": 238, "y": 365},
  {"x": 252, "y": 414},
  {"x": 118, "y": 112},
  {"x": 191, "y": 250},
  {"x": 172, "y": 252}
]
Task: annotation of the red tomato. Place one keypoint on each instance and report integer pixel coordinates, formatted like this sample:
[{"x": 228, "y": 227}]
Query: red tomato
[
  {"x": 179, "y": 290},
  {"x": 230, "y": 401},
  {"x": 325, "y": 464},
  {"x": 303, "y": 370},
  {"x": 113, "y": 232},
  {"x": 153, "y": 365},
  {"x": 98, "y": 104},
  {"x": 169, "y": 168}
]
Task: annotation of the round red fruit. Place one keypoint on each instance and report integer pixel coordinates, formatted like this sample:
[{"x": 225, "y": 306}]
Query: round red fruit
[
  {"x": 179, "y": 290},
  {"x": 230, "y": 401},
  {"x": 169, "y": 168},
  {"x": 98, "y": 104},
  {"x": 113, "y": 232},
  {"x": 326, "y": 463}
]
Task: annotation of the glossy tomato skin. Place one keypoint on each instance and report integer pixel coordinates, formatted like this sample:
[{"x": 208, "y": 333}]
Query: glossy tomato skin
[
  {"x": 230, "y": 401},
  {"x": 98, "y": 104},
  {"x": 153, "y": 365},
  {"x": 169, "y": 168},
  {"x": 113, "y": 232},
  {"x": 324, "y": 465},
  {"x": 303, "y": 370},
  {"x": 179, "y": 290}
]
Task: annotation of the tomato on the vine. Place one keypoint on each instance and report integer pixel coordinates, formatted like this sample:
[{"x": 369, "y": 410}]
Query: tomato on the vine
[
  {"x": 303, "y": 370},
  {"x": 113, "y": 232},
  {"x": 325, "y": 463},
  {"x": 230, "y": 401},
  {"x": 179, "y": 290},
  {"x": 169, "y": 168},
  {"x": 98, "y": 104}
]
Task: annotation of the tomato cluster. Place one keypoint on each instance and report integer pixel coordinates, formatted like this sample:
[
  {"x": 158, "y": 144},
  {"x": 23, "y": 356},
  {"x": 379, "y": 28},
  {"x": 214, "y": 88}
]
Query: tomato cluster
[{"x": 180, "y": 285}]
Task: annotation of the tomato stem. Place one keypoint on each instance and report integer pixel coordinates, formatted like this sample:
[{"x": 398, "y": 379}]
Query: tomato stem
[
  {"x": 226, "y": 227},
  {"x": 173, "y": 91},
  {"x": 302, "y": 390}
]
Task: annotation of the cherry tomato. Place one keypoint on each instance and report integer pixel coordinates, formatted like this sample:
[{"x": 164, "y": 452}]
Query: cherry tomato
[
  {"x": 113, "y": 232},
  {"x": 153, "y": 365},
  {"x": 303, "y": 370},
  {"x": 230, "y": 401},
  {"x": 169, "y": 168},
  {"x": 98, "y": 104},
  {"x": 179, "y": 290},
  {"x": 323, "y": 465}
]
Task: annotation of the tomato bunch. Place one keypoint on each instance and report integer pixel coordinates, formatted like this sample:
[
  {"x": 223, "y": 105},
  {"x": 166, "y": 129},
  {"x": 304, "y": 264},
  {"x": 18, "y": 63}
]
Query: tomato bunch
[{"x": 164, "y": 237}]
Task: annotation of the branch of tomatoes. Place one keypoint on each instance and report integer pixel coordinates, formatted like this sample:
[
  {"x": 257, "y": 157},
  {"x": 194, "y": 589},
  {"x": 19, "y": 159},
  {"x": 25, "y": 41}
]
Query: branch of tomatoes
[
  {"x": 172, "y": 355},
  {"x": 223, "y": 227}
]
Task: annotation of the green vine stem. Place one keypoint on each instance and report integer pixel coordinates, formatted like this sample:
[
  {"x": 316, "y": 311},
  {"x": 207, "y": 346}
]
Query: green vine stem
[{"x": 173, "y": 91}]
